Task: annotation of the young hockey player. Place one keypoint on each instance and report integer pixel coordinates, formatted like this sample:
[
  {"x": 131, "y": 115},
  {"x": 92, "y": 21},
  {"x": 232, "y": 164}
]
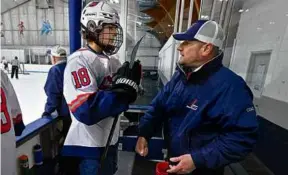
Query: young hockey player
[
  {"x": 5, "y": 64},
  {"x": 95, "y": 97}
]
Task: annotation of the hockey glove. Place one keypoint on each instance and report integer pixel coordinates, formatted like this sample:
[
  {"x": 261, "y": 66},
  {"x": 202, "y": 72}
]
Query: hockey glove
[{"x": 126, "y": 81}]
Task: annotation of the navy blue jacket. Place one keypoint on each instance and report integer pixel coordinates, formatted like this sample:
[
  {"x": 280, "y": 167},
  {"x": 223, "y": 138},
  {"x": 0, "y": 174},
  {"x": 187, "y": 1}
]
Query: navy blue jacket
[
  {"x": 210, "y": 115},
  {"x": 54, "y": 91}
]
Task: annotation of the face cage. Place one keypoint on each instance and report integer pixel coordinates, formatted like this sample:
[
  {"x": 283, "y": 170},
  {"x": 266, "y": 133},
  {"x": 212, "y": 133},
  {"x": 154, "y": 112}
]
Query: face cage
[{"x": 114, "y": 44}]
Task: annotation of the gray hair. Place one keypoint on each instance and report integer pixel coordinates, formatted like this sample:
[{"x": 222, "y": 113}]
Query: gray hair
[{"x": 216, "y": 51}]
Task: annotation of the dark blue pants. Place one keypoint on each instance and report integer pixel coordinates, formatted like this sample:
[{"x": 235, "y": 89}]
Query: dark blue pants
[
  {"x": 91, "y": 166},
  {"x": 14, "y": 71}
]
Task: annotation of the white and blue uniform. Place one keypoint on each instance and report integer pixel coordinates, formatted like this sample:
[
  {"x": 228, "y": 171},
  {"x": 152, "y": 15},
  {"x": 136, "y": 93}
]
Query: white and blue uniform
[
  {"x": 11, "y": 125},
  {"x": 87, "y": 78}
]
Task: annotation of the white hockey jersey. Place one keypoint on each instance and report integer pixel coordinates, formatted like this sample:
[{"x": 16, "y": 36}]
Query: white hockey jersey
[
  {"x": 87, "y": 77},
  {"x": 11, "y": 125}
]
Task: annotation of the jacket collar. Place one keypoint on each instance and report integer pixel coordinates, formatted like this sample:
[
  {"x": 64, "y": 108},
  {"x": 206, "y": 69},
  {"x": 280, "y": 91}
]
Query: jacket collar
[
  {"x": 61, "y": 61},
  {"x": 203, "y": 71}
]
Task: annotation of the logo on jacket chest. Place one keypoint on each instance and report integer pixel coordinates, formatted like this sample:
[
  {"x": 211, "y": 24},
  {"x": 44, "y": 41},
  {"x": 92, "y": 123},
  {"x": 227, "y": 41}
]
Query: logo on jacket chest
[{"x": 193, "y": 105}]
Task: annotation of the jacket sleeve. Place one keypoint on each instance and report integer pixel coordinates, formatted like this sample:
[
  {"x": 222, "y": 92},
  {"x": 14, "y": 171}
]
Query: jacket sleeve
[
  {"x": 53, "y": 91},
  {"x": 16, "y": 112},
  {"x": 155, "y": 116},
  {"x": 237, "y": 117},
  {"x": 86, "y": 101}
]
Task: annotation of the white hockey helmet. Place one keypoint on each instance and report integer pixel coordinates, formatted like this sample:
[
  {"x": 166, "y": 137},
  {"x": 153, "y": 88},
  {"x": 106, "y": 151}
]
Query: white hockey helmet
[
  {"x": 57, "y": 51},
  {"x": 95, "y": 16}
]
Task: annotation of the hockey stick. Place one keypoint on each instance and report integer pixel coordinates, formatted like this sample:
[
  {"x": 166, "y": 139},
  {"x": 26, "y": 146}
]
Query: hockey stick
[
  {"x": 104, "y": 155},
  {"x": 134, "y": 52}
]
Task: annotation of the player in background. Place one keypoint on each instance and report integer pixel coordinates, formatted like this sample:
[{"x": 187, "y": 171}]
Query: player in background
[
  {"x": 11, "y": 125},
  {"x": 5, "y": 64},
  {"x": 95, "y": 97},
  {"x": 2, "y": 32},
  {"x": 15, "y": 67}
]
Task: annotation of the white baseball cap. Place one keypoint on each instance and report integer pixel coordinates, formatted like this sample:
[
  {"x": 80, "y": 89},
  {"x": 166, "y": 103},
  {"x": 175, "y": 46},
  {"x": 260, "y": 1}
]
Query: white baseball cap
[
  {"x": 57, "y": 51},
  {"x": 207, "y": 31}
]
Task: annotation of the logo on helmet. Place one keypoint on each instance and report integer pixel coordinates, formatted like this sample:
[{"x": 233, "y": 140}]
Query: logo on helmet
[
  {"x": 108, "y": 16},
  {"x": 91, "y": 14},
  {"x": 93, "y": 4},
  {"x": 91, "y": 25}
]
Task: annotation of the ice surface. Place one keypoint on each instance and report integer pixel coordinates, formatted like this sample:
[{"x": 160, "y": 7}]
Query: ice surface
[{"x": 31, "y": 95}]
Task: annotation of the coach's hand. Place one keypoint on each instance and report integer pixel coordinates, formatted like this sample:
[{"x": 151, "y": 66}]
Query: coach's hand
[
  {"x": 185, "y": 164},
  {"x": 142, "y": 146}
]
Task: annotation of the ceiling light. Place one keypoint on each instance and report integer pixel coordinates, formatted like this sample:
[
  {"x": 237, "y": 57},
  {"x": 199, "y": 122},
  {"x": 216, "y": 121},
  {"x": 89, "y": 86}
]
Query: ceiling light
[
  {"x": 272, "y": 22},
  {"x": 247, "y": 10},
  {"x": 241, "y": 10},
  {"x": 259, "y": 28}
]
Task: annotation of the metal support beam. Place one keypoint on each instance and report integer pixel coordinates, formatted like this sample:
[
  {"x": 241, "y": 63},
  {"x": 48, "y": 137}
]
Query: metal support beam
[
  {"x": 20, "y": 41},
  {"x": 212, "y": 14},
  {"x": 223, "y": 13},
  {"x": 30, "y": 57},
  {"x": 190, "y": 13},
  {"x": 201, "y": 9},
  {"x": 181, "y": 15},
  {"x": 228, "y": 23},
  {"x": 11, "y": 27},
  {"x": 123, "y": 21},
  {"x": 74, "y": 24},
  {"x": 176, "y": 16}
]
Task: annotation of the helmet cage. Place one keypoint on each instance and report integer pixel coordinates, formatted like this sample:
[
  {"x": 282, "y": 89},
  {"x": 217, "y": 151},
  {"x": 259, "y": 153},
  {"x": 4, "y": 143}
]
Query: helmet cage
[{"x": 110, "y": 40}]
